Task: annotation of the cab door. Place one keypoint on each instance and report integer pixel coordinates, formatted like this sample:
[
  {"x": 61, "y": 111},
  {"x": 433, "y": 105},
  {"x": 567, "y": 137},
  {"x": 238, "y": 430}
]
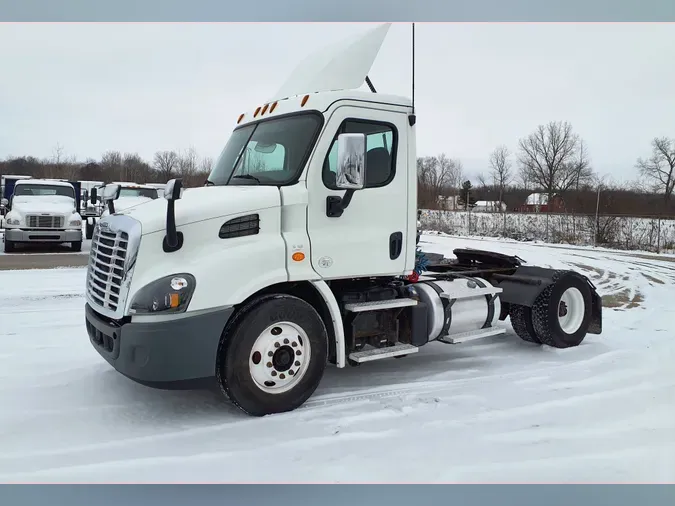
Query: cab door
[{"x": 369, "y": 237}]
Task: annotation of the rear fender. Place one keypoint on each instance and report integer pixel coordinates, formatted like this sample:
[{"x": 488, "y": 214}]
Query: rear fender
[{"x": 527, "y": 282}]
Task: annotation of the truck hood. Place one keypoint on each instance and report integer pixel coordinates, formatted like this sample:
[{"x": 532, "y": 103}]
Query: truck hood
[
  {"x": 204, "y": 203},
  {"x": 123, "y": 203},
  {"x": 53, "y": 204}
]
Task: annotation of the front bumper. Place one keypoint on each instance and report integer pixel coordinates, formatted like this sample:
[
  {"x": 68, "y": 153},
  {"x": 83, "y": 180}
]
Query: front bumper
[
  {"x": 58, "y": 236},
  {"x": 168, "y": 354}
]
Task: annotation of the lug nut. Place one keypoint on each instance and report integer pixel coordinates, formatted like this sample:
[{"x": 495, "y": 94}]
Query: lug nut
[
  {"x": 282, "y": 376},
  {"x": 269, "y": 364},
  {"x": 276, "y": 345},
  {"x": 290, "y": 372},
  {"x": 270, "y": 354},
  {"x": 294, "y": 344},
  {"x": 297, "y": 363},
  {"x": 286, "y": 341},
  {"x": 274, "y": 373},
  {"x": 297, "y": 352}
]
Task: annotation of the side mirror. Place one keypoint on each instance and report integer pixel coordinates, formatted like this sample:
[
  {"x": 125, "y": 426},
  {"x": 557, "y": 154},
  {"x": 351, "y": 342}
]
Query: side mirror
[
  {"x": 93, "y": 196},
  {"x": 173, "y": 189},
  {"x": 111, "y": 192},
  {"x": 351, "y": 164},
  {"x": 173, "y": 240}
]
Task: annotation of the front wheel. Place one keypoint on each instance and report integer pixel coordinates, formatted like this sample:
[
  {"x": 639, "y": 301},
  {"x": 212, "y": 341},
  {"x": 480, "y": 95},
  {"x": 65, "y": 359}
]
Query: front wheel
[
  {"x": 9, "y": 246},
  {"x": 273, "y": 356},
  {"x": 76, "y": 246}
]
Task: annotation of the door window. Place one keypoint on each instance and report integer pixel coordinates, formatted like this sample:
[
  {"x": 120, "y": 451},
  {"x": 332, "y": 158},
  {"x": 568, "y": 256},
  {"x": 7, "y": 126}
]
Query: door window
[{"x": 380, "y": 157}]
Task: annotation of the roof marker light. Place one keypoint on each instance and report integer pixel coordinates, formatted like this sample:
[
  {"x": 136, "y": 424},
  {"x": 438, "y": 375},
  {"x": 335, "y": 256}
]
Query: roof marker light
[{"x": 304, "y": 100}]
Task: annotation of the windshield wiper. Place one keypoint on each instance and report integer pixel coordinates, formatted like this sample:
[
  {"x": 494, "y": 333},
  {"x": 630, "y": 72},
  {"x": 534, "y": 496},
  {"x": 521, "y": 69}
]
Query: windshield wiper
[{"x": 247, "y": 176}]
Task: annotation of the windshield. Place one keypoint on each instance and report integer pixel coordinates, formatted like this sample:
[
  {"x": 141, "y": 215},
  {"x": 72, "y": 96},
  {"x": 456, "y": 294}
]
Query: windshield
[
  {"x": 150, "y": 193},
  {"x": 271, "y": 152},
  {"x": 43, "y": 189}
]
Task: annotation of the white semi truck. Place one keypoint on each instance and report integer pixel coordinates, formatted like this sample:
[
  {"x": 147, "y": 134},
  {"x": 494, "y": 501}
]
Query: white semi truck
[
  {"x": 300, "y": 251},
  {"x": 43, "y": 211}
]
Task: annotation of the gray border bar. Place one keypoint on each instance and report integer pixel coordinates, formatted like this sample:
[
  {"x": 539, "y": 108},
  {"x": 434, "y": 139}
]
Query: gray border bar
[
  {"x": 342, "y": 10},
  {"x": 337, "y": 495}
]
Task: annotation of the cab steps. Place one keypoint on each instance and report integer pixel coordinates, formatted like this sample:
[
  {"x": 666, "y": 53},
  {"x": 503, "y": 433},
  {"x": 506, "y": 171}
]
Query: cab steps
[{"x": 371, "y": 354}]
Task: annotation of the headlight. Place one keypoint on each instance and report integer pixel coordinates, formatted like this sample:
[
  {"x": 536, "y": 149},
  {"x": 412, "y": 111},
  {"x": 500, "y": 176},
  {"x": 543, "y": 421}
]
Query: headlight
[
  {"x": 75, "y": 223},
  {"x": 13, "y": 221},
  {"x": 170, "y": 294}
]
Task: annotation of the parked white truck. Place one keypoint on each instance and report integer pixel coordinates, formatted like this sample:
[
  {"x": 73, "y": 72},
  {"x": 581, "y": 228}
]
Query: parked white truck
[
  {"x": 131, "y": 194},
  {"x": 43, "y": 211},
  {"x": 301, "y": 250}
]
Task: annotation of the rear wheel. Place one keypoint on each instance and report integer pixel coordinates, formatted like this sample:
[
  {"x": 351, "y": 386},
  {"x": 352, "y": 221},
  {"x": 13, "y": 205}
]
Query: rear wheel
[
  {"x": 561, "y": 314},
  {"x": 521, "y": 321},
  {"x": 273, "y": 356},
  {"x": 76, "y": 246}
]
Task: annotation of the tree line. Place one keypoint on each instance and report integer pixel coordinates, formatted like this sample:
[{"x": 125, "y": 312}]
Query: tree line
[
  {"x": 553, "y": 160},
  {"x": 114, "y": 166}
]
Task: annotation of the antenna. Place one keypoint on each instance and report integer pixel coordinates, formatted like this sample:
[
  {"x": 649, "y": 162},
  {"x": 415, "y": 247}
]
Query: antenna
[
  {"x": 412, "y": 119},
  {"x": 413, "y": 67}
]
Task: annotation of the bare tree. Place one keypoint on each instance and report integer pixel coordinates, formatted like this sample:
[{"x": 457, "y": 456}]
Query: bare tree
[
  {"x": 134, "y": 168},
  {"x": 437, "y": 175},
  {"x": 205, "y": 165},
  {"x": 111, "y": 163},
  {"x": 58, "y": 154},
  {"x": 554, "y": 158},
  {"x": 166, "y": 163},
  {"x": 187, "y": 163},
  {"x": 501, "y": 170},
  {"x": 659, "y": 168}
]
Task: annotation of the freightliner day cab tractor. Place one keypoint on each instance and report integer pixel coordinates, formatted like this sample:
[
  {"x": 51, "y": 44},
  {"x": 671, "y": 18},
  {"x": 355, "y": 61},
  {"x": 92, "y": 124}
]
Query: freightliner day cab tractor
[{"x": 301, "y": 251}]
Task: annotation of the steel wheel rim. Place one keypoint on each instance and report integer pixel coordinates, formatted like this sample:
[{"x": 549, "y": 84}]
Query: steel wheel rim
[
  {"x": 571, "y": 309},
  {"x": 279, "y": 358}
]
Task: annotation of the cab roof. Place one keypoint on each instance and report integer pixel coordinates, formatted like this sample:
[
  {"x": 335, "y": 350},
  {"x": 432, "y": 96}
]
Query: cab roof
[{"x": 45, "y": 182}]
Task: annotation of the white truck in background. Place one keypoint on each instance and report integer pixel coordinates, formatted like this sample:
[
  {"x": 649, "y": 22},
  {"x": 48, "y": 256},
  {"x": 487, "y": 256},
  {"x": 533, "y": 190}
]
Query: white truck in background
[
  {"x": 131, "y": 194},
  {"x": 159, "y": 186},
  {"x": 43, "y": 211},
  {"x": 301, "y": 250}
]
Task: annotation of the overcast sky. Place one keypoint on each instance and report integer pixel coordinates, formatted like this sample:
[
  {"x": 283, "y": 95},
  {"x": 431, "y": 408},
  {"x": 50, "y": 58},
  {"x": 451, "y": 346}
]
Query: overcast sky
[{"x": 148, "y": 87}]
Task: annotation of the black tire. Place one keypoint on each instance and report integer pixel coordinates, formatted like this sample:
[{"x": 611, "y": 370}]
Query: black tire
[
  {"x": 9, "y": 246},
  {"x": 235, "y": 352},
  {"x": 521, "y": 321},
  {"x": 89, "y": 230},
  {"x": 547, "y": 305},
  {"x": 76, "y": 246}
]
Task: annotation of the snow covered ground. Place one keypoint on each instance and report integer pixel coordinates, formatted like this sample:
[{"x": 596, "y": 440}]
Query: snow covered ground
[{"x": 497, "y": 410}]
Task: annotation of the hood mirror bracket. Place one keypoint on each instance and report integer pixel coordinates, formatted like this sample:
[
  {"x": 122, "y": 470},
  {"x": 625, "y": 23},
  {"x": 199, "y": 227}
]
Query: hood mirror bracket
[{"x": 173, "y": 240}]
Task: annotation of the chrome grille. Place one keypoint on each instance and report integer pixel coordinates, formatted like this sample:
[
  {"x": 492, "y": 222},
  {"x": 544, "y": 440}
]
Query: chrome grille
[
  {"x": 105, "y": 273},
  {"x": 35, "y": 221}
]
